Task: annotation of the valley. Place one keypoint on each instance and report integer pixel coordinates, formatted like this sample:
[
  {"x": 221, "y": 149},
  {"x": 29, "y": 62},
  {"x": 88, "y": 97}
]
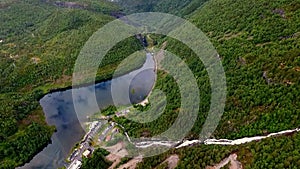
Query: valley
[{"x": 258, "y": 44}]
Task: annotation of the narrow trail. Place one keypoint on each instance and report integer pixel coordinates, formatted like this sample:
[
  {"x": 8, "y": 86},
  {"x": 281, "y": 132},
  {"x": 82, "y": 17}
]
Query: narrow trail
[{"x": 232, "y": 160}]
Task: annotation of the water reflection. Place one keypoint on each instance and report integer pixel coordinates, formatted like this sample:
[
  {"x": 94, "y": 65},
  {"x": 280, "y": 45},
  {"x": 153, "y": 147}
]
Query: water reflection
[{"x": 59, "y": 111}]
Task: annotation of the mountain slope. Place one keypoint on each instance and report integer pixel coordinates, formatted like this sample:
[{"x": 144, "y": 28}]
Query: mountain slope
[
  {"x": 177, "y": 7},
  {"x": 258, "y": 41},
  {"x": 39, "y": 43},
  {"x": 259, "y": 44}
]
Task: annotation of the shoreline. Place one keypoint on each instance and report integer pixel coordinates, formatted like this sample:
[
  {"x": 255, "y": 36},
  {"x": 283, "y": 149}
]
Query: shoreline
[
  {"x": 85, "y": 84},
  {"x": 146, "y": 100},
  {"x": 63, "y": 88},
  {"x": 160, "y": 52}
]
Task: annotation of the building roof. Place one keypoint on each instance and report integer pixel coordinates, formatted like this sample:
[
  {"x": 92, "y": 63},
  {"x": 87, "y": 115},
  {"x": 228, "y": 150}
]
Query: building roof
[
  {"x": 86, "y": 153},
  {"x": 75, "y": 164}
]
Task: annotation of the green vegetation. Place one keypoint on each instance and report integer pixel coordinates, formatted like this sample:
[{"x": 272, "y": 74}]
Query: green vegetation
[
  {"x": 39, "y": 45},
  {"x": 142, "y": 108},
  {"x": 278, "y": 152},
  {"x": 258, "y": 43},
  {"x": 130, "y": 63},
  {"x": 167, "y": 84},
  {"x": 98, "y": 160},
  {"x": 110, "y": 110},
  {"x": 177, "y": 7},
  {"x": 23, "y": 145},
  {"x": 254, "y": 37}
]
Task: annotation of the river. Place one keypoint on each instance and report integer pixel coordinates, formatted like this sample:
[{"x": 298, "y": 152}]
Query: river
[
  {"x": 59, "y": 111},
  {"x": 225, "y": 142}
]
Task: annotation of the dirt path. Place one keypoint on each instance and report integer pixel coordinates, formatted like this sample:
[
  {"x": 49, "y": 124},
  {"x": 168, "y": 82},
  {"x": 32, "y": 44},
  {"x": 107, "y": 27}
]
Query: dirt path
[
  {"x": 232, "y": 159},
  {"x": 117, "y": 152},
  {"x": 118, "y": 149},
  {"x": 172, "y": 161},
  {"x": 132, "y": 163},
  {"x": 115, "y": 159}
]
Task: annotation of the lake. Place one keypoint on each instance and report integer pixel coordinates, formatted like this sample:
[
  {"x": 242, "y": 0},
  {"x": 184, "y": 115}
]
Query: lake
[{"x": 59, "y": 110}]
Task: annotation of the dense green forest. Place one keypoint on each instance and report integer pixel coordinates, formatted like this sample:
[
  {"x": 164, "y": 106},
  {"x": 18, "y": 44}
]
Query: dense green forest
[
  {"x": 258, "y": 42},
  {"x": 40, "y": 41},
  {"x": 278, "y": 152},
  {"x": 177, "y": 7},
  {"x": 260, "y": 53},
  {"x": 98, "y": 160},
  {"x": 166, "y": 84}
]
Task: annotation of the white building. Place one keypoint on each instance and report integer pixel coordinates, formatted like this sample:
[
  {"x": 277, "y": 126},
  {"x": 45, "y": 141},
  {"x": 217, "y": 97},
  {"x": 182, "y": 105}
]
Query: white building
[{"x": 86, "y": 153}]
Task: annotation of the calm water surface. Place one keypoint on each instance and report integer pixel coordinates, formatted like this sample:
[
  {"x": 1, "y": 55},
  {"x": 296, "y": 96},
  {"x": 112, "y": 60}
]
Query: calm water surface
[{"x": 59, "y": 111}]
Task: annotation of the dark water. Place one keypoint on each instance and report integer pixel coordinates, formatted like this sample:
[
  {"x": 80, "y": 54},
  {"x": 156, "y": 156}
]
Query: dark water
[{"x": 59, "y": 111}]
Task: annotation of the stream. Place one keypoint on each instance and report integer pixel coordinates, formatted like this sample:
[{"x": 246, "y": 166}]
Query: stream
[
  {"x": 177, "y": 144},
  {"x": 59, "y": 111}
]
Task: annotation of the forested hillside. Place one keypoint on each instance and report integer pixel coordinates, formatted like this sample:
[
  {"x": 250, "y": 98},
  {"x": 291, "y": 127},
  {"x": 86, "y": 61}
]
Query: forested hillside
[
  {"x": 39, "y": 43},
  {"x": 258, "y": 42},
  {"x": 278, "y": 152},
  {"x": 178, "y": 7},
  {"x": 259, "y": 45}
]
